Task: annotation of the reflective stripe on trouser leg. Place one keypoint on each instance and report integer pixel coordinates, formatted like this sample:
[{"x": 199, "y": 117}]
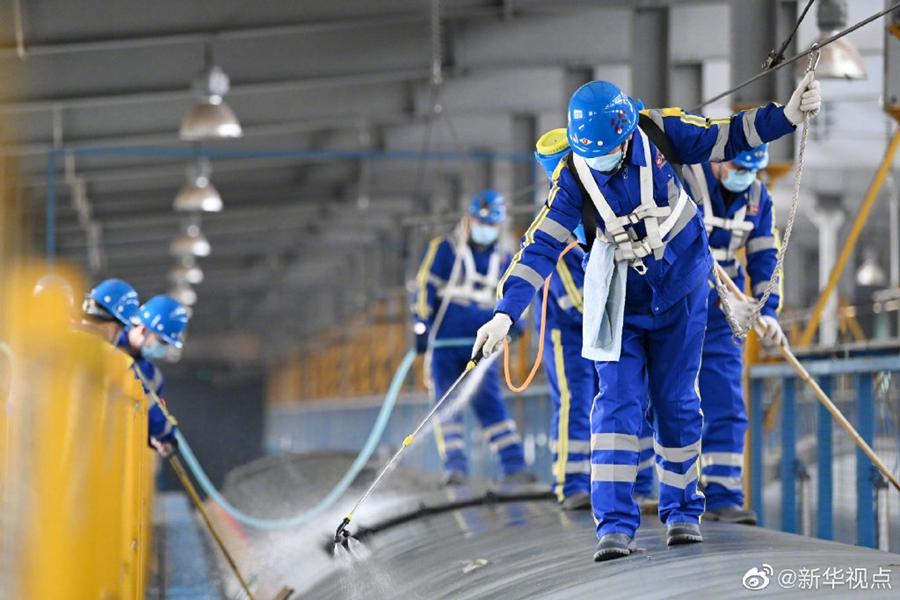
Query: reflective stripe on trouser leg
[
  {"x": 674, "y": 347},
  {"x": 449, "y": 431},
  {"x": 725, "y": 418},
  {"x": 497, "y": 426},
  {"x": 616, "y": 417},
  {"x": 643, "y": 485},
  {"x": 572, "y": 381}
]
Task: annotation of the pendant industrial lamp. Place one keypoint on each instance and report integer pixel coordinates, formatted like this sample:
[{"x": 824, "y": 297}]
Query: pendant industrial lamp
[
  {"x": 184, "y": 293},
  {"x": 191, "y": 242},
  {"x": 211, "y": 117},
  {"x": 839, "y": 59},
  {"x": 186, "y": 271},
  {"x": 198, "y": 194}
]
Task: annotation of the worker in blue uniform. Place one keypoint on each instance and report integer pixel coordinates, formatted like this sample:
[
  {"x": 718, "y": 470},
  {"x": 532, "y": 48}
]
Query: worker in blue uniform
[
  {"x": 572, "y": 379},
  {"x": 645, "y": 285},
  {"x": 738, "y": 213},
  {"x": 160, "y": 322},
  {"x": 455, "y": 289},
  {"x": 108, "y": 308}
]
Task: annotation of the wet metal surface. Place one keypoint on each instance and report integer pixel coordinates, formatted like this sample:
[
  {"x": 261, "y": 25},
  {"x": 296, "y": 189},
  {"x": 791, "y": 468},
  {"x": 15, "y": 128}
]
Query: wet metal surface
[{"x": 465, "y": 544}]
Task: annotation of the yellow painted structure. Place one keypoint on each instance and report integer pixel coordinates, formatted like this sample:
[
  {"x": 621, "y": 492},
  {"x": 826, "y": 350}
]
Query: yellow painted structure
[{"x": 76, "y": 470}]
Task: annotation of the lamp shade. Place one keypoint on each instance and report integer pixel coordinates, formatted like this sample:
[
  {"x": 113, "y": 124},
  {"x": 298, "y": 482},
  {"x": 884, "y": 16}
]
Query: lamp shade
[
  {"x": 198, "y": 195},
  {"x": 191, "y": 242},
  {"x": 186, "y": 272},
  {"x": 839, "y": 60},
  {"x": 210, "y": 119},
  {"x": 184, "y": 294},
  {"x": 870, "y": 273}
]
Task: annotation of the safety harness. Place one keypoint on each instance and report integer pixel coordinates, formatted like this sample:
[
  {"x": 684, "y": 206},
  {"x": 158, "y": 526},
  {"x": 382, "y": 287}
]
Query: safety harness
[
  {"x": 471, "y": 287},
  {"x": 661, "y": 223},
  {"x": 738, "y": 226}
]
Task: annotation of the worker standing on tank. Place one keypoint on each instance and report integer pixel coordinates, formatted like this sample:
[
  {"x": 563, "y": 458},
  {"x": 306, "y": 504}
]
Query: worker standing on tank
[
  {"x": 645, "y": 289},
  {"x": 738, "y": 214},
  {"x": 455, "y": 289}
]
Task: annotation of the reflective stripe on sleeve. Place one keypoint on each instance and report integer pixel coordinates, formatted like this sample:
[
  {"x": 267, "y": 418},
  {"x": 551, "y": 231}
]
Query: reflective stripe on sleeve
[
  {"x": 759, "y": 244},
  {"x": 555, "y": 230},
  {"x": 718, "y": 150},
  {"x": 523, "y": 271},
  {"x": 760, "y": 288},
  {"x": 749, "y": 125}
]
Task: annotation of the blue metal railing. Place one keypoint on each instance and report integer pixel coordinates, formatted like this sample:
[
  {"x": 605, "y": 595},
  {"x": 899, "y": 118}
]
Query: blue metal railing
[{"x": 804, "y": 419}]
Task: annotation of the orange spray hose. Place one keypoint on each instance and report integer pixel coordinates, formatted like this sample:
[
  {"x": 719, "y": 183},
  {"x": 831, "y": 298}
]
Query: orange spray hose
[{"x": 540, "y": 353}]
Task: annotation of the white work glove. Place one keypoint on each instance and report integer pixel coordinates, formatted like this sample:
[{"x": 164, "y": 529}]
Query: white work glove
[
  {"x": 491, "y": 335},
  {"x": 807, "y": 98},
  {"x": 771, "y": 332},
  {"x": 741, "y": 308}
]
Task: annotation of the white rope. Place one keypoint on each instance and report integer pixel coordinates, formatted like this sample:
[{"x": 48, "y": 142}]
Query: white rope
[{"x": 740, "y": 330}]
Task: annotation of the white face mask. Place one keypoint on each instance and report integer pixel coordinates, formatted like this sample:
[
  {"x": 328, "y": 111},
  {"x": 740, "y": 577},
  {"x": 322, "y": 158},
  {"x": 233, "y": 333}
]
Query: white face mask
[
  {"x": 605, "y": 163},
  {"x": 484, "y": 235},
  {"x": 738, "y": 181}
]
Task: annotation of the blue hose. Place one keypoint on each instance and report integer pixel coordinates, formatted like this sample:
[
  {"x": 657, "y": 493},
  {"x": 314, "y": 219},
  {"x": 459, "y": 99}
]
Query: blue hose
[{"x": 335, "y": 494}]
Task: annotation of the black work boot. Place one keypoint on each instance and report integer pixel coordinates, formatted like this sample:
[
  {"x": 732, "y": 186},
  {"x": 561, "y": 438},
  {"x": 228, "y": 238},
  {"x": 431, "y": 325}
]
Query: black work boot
[
  {"x": 683, "y": 533},
  {"x": 577, "y": 501},
  {"x": 614, "y": 545},
  {"x": 731, "y": 514}
]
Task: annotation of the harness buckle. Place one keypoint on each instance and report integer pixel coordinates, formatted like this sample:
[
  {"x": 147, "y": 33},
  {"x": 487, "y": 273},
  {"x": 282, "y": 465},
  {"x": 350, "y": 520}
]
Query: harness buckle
[{"x": 639, "y": 266}]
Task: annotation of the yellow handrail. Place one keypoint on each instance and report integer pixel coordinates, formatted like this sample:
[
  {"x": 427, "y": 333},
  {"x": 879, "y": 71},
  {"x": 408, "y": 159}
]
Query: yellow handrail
[{"x": 76, "y": 470}]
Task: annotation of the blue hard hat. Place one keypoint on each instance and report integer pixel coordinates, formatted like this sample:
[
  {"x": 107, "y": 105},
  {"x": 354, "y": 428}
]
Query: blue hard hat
[
  {"x": 488, "y": 206},
  {"x": 166, "y": 317},
  {"x": 551, "y": 148},
  {"x": 114, "y": 297},
  {"x": 755, "y": 159},
  {"x": 601, "y": 116}
]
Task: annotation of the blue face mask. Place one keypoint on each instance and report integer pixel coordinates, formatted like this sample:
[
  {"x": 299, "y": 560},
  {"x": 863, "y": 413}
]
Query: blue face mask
[
  {"x": 154, "y": 351},
  {"x": 605, "y": 163},
  {"x": 738, "y": 181},
  {"x": 484, "y": 235}
]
